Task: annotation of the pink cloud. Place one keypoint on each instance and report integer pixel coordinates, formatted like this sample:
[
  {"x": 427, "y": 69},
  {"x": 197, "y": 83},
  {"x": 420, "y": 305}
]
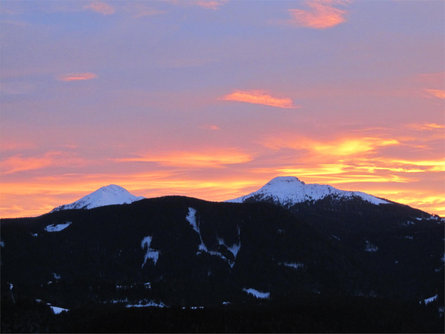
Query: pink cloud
[
  {"x": 210, "y": 4},
  {"x": 259, "y": 97},
  {"x": 212, "y": 127},
  {"x": 100, "y": 7},
  {"x": 78, "y": 76},
  {"x": 207, "y": 4},
  {"x": 321, "y": 14}
]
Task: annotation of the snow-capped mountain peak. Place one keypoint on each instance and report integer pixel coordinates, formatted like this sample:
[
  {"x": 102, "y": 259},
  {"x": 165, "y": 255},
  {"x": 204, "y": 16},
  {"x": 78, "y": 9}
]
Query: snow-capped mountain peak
[
  {"x": 281, "y": 180},
  {"x": 108, "y": 195},
  {"x": 289, "y": 190}
]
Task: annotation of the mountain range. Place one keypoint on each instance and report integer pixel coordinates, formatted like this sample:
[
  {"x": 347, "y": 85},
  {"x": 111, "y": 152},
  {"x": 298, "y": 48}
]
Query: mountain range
[{"x": 289, "y": 243}]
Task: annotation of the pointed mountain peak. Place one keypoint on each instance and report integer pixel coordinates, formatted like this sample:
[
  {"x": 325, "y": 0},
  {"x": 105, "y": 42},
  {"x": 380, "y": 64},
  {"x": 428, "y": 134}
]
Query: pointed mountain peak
[
  {"x": 289, "y": 190},
  {"x": 108, "y": 195},
  {"x": 112, "y": 188}
]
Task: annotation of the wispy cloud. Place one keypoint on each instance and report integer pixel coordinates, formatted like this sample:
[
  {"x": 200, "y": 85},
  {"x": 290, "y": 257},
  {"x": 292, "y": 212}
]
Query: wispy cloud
[
  {"x": 439, "y": 93},
  {"x": 214, "y": 158},
  {"x": 19, "y": 163},
  {"x": 138, "y": 9},
  {"x": 77, "y": 76},
  {"x": 321, "y": 14},
  {"x": 431, "y": 78},
  {"x": 8, "y": 145},
  {"x": 207, "y": 4},
  {"x": 143, "y": 12},
  {"x": 259, "y": 97},
  {"x": 426, "y": 126},
  {"x": 100, "y": 7},
  {"x": 212, "y": 127}
]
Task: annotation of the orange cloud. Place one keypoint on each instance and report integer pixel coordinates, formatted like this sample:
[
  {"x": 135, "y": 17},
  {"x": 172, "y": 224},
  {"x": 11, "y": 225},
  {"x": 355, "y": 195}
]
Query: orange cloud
[
  {"x": 100, "y": 7},
  {"x": 259, "y": 97},
  {"x": 345, "y": 147},
  {"x": 428, "y": 165},
  {"x": 339, "y": 147},
  {"x": 78, "y": 76},
  {"x": 426, "y": 126},
  {"x": 18, "y": 163},
  {"x": 216, "y": 158},
  {"x": 321, "y": 15},
  {"x": 439, "y": 93}
]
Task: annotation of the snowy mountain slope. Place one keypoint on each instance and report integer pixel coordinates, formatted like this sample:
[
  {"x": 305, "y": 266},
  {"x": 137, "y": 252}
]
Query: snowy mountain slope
[
  {"x": 109, "y": 195},
  {"x": 289, "y": 190}
]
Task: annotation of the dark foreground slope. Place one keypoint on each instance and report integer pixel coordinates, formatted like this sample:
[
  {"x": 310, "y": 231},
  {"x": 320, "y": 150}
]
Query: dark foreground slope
[
  {"x": 402, "y": 245},
  {"x": 185, "y": 253},
  {"x": 314, "y": 314}
]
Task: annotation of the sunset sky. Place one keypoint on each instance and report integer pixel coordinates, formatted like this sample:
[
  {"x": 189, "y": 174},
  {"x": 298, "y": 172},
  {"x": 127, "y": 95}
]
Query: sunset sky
[{"x": 212, "y": 99}]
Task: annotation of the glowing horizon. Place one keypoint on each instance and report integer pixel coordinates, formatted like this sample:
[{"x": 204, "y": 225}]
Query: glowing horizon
[
  {"x": 213, "y": 98},
  {"x": 211, "y": 190}
]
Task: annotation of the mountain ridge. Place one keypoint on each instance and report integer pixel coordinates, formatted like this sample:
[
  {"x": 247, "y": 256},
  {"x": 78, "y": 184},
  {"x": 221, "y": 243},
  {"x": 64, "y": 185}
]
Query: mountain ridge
[{"x": 289, "y": 190}]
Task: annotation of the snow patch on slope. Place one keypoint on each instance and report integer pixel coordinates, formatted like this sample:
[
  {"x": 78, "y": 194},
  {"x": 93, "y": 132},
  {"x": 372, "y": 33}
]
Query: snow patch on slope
[
  {"x": 370, "y": 248},
  {"x": 429, "y": 300},
  {"x": 293, "y": 265},
  {"x": 57, "y": 227},
  {"x": 289, "y": 190},
  {"x": 58, "y": 310},
  {"x": 257, "y": 294},
  {"x": 150, "y": 253},
  {"x": 109, "y": 195},
  {"x": 202, "y": 248},
  {"x": 191, "y": 218},
  {"x": 144, "y": 303}
]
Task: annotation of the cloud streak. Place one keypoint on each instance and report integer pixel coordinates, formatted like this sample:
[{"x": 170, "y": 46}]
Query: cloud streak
[
  {"x": 259, "y": 97},
  {"x": 210, "y": 4},
  {"x": 78, "y": 76},
  {"x": 201, "y": 159},
  {"x": 212, "y": 127},
  {"x": 19, "y": 163},
  {"x": 100, "y": 7},
  {"x": 321, "y": 14},
  {"x": 426, "y": 126},
  {"x": 439, "y": 93},
  {"x": 339, "y": 147},
  {"x": 207, "y": 4}
]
